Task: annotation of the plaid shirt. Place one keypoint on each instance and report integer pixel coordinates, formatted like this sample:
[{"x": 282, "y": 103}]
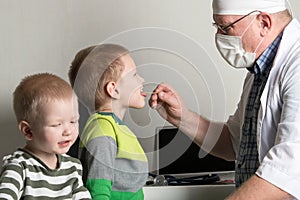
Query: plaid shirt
[{"x": 247, "y": 161}]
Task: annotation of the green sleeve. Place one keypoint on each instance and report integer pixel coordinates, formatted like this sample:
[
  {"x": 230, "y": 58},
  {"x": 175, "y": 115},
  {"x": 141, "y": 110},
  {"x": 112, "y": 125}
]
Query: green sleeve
[{"x": 100, "y": 189}]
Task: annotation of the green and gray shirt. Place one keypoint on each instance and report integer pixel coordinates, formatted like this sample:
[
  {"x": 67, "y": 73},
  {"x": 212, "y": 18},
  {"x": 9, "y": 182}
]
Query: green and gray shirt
[
  {"x": 25, "y": 176},
  {"x": 114, "y": 163}
]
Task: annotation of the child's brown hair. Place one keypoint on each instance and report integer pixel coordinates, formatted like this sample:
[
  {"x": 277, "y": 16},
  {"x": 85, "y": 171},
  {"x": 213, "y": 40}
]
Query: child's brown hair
[
  {"x": 92, "y": 68},
  {"x": 35, "y": 91}
]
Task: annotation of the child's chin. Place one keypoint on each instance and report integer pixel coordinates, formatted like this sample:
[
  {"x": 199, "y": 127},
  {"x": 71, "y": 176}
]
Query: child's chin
[
  {"x": 140, "y": 106},
  {"x": 63, "y": 151}
]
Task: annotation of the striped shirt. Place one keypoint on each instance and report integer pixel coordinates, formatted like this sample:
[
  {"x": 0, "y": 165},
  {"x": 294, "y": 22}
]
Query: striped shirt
[
  {"x": 114, "y": 163},
  {"x": 247, "y": 161},
  {"x": 25, "y": 176}
]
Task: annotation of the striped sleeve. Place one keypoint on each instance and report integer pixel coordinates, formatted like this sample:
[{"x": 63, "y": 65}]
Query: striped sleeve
[
  {"x": 79, "y": 191},
  {"x": 11, "y": 181}
]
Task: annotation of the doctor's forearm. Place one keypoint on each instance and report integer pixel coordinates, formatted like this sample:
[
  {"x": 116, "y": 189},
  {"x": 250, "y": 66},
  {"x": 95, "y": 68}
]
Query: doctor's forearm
[
  {"x": 194, "y": 126},
  {"x": 258, "y": 188}
]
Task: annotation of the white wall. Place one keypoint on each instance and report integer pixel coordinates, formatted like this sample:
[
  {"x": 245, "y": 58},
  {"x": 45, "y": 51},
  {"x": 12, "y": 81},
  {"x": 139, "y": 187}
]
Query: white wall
[{"x": 171, "y": 40}]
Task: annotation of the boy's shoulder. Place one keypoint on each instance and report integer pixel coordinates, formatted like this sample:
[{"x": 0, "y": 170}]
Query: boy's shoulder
[
  {"x": 99, "y": 125},
  {"x": 25, "y": 159},
  {"x": 19, "y": 159},
  {"x": 16, "y": 156},
  {"x": 102, "y": 120},
  {"x": 109, "y": 118}
]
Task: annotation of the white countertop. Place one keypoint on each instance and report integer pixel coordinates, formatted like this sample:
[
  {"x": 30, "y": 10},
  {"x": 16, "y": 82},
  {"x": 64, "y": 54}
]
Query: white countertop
[
  {"x": 216, "y": 191},
  {"x": 191, "y": 192}
]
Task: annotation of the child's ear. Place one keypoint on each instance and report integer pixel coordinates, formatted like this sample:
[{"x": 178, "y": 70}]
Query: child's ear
[
  {"x": 25, "y": 129},
  {"x": 112, "y": 90}
]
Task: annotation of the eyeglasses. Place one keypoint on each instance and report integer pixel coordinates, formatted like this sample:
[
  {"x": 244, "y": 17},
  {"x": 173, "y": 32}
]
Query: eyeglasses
[{"x": 224, "y": 28}]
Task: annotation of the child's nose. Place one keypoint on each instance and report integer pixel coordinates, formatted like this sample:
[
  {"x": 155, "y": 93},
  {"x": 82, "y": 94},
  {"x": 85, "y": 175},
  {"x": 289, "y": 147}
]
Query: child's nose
[{"x": 67, "y": 131}]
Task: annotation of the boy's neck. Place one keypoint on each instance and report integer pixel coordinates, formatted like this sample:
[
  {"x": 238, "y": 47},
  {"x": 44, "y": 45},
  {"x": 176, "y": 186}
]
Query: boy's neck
[
  {"x": 50, "y": 160},
  {"x": 118, "y": 112},
  {"x": 105, "y": 110}
]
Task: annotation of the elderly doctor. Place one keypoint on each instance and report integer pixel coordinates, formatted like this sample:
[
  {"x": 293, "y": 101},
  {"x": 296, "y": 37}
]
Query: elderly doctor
[{"x": 263, "y": 135}]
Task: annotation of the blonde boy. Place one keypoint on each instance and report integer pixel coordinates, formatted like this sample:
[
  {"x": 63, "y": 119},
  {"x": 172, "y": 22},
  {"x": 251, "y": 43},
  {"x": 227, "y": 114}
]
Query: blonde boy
[
  {"x": 106, "y": 81},
  {"x": 46, "y": 109}
]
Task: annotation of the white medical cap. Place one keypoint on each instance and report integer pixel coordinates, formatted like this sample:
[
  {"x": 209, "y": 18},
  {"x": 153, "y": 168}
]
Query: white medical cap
[{"x": 243, "y": 7}]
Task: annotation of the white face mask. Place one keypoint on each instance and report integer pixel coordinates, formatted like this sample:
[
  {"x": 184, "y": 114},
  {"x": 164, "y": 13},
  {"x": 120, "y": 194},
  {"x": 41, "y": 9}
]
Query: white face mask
[{"x": 231, "y": 49}]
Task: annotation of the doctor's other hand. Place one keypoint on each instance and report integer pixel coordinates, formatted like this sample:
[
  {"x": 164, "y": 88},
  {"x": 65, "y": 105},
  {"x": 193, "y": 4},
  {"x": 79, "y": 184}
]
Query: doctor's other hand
[{"x": 168, "y": 103}]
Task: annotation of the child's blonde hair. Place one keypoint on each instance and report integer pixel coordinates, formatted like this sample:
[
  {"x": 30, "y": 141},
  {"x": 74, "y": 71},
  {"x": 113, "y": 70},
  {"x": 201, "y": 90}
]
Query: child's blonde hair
[
  {"x": 34, "y": 91},
  {"x": 92, "y": 68}
]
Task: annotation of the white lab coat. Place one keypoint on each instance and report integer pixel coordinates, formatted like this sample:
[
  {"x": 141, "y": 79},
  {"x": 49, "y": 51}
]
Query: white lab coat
[{"x": 278, "y": 124}]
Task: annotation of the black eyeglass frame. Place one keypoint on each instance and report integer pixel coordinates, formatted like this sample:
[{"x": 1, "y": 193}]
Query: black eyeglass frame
[{"x": 224, "y": 28}]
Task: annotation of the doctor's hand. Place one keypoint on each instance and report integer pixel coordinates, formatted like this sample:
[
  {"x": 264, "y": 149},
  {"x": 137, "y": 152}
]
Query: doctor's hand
[{"x": 168, "y": 104}]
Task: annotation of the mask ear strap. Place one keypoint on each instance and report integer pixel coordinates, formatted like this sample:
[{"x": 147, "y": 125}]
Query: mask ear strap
[
  {"x": 248, "y": 26},
  {"x": 259, "y": 44},
  {"x": 289, "y": 7}
]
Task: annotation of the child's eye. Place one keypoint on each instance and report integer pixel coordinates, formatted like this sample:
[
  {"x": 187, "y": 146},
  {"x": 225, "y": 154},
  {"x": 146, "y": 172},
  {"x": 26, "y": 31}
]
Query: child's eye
[
  {"x": 56, "y": 125},
  {"x": 74, "y": 122}
]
